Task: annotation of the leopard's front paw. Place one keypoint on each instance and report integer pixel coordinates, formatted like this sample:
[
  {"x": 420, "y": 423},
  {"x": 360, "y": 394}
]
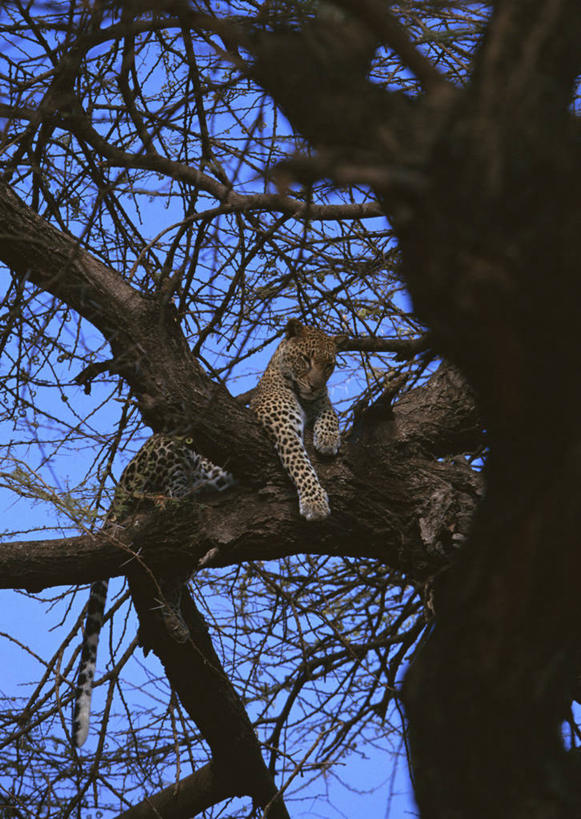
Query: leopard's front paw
[
  {"x": 327, "y": 443},
  {"x": 315, "y": 507},
  {"x": 326, "y": 438}
]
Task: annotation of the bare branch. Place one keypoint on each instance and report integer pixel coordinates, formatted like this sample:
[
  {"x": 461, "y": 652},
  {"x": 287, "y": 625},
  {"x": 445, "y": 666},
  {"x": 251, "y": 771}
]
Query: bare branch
[
  {"x": 190, "y": 796},
  {"x": 196, "y": 674},
  {"x": 389, "y": 453},
  {"x": 378, "y": 19}
]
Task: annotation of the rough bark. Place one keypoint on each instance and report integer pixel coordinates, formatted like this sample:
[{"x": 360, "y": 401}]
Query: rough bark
[
  {"x": 479, "y": 184},
  {"x": 389, "y": 462},
  {"x": 392, "y": 499},
  {"x": 148, "y": 347}
]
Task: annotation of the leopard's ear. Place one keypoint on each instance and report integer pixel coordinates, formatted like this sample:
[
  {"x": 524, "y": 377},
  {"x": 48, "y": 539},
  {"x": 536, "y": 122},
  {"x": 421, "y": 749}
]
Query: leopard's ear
[
  {"x": 294, "y": 328},
  {"x": 340, "y": 340}
]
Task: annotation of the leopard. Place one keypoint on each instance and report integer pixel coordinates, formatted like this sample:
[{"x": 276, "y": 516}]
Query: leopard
[
  {"x": 292, "y": 393},
  {"x": 168, "y": 466}
]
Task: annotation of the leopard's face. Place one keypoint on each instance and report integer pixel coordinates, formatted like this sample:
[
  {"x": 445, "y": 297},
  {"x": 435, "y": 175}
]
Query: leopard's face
[{"x": 307, "y": 358}]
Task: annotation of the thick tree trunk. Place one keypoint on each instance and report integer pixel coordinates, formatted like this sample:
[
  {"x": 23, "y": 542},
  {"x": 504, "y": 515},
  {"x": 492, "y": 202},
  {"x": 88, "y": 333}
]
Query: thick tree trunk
[
  {"x": 482, "y": 186},
  {"x": 490, "y": 257}
]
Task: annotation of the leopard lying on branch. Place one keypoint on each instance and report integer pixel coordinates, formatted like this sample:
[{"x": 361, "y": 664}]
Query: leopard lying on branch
[{"x": 292, "y": 390}]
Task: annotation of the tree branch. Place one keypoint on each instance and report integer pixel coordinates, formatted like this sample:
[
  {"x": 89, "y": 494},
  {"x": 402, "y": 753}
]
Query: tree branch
[
  {"x": 190, "y": 796},
  {"x": 195, "y": 672},
  {"x": 376, "y": 16},
  {"x": 497, "y": 219},
  {"x": 148, "y": 347},
  {"x": 404, "y": 348},
  {"x": 387, "y": 462}
]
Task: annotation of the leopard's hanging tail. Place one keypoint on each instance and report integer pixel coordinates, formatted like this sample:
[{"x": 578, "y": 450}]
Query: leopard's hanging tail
[
  {"x": 165, "y": 466},
  {"x": 87, "y": 665}
]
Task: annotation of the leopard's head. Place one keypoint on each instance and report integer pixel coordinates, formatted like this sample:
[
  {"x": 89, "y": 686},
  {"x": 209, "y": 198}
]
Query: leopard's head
[{"x": 308, "y": 359}]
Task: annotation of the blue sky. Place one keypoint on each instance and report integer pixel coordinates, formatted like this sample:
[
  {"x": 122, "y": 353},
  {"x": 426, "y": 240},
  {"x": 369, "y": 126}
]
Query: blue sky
[
  {"x": 65, "y": 447},
  {"x": 371, "y": 782}
]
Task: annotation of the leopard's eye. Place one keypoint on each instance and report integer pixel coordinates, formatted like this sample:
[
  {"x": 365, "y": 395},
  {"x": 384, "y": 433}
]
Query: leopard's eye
[{"x": 306, "y": 358}]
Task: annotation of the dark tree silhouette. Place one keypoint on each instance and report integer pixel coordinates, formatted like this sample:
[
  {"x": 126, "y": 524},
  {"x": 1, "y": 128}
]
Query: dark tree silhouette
[
  {"x": 135, "y": 202},
  {"x": 480, "y": 184}
]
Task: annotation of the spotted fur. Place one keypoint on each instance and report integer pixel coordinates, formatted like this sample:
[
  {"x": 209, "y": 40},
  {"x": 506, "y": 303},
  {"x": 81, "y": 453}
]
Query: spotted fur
[
  {"x": 166, "y": 466},
  {"x": 292, "y": 391}
]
